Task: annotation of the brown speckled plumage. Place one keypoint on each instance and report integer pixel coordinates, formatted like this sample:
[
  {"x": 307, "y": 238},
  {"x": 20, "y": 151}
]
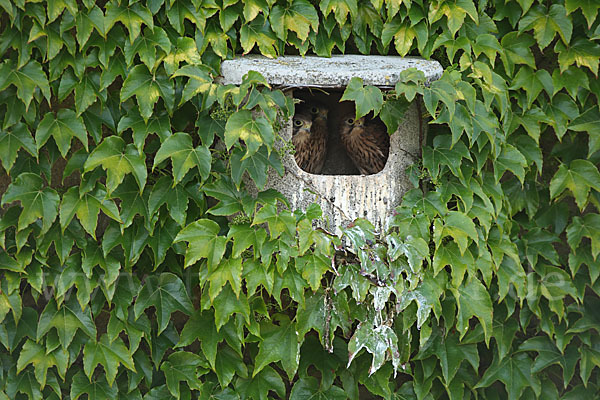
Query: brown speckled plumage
[
  {"x": 310, "y": 139},
  {"x": 366, "y": 142}
]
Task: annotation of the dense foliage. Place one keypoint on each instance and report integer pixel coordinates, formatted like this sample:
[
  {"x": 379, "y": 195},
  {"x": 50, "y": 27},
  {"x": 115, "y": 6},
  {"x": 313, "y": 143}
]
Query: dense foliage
[{"x": 135, "y": 265}]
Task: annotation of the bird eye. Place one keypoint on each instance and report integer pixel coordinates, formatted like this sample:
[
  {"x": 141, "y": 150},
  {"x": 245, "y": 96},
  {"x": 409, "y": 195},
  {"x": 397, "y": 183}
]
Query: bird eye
[
  {"x": 314, "y": 110},
  {"x": 350, "y": 121},
  {"x": 297, "y": 122}
]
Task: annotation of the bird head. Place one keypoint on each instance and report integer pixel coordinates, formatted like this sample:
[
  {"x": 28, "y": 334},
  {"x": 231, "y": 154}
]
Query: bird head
[
  {"x": 319, "y": 112},
  {"x": 349, "y": 123},
  {"x": 301, "y": 123}
]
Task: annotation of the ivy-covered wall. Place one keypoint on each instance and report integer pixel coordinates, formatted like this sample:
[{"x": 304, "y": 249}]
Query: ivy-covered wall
[{"x": 134, "y": 264}]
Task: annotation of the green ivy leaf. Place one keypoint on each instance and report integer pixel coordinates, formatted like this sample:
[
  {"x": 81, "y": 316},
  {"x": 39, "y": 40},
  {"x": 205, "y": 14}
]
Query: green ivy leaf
[
  {"x": 380, "y": 341},
  {"x": 97, "y": 389},
  {"x": 218, "y": 39},
  {"x": 589, "y": 121},
  {"x": 227, "y": 303},
  {"x": 402, "y": 33},
  {"x": 25, "y": 383},
  {"x": 514, "y": 372},
  {"x": 37, "y": 201},
  {"x": 136, "y": 202},
  {"x": 162, "y": 239},
  {"x": 12, "y": 140},
  {"x": 367, "y": 98},
  {"x": 201, "y": 326},
  {"x": 561, "y": 111},
  {"x": 309, "y": 388},
  {"x": 340, "y": 8},
  {"x": 548, "y": 354},
  {"x": 451, "y": 353},
  {"x": 176, "y": 198},
  {"x": 63, "y": 128},
  {"x": 444, "y": 154},
  {"x": 461, "y": 228},
  {"x": 323, "y": 44},
  {"x": 130, "y": 15},
  {"x": 230, "y": 199},
  {"x": 473, "y": 300},
  {"x": 257, "y": 166},
  {"x": 579, "y": 178},
  {"x": 26, "y": 79},
  {"x": 279, "y": 343},
  {"x": 10, "y": 264},
  {"x": 56, "y": 7},
  {"x": 258, "y": 387},
  {"x": 488, "y": 45},
  {"x": 581, "y": 52},
  {"x": 181, "y": 10},
  {"x": 255, "y": 274},
  {"x": 147, "y": 88},
  {"x": 228, "y": 364},
  {"x": 321, "y": 312},
  {"x": 166, "y": 292},
  {"x": 33, "y": 353},
  {"x": 185, "y": 50},
  {"x": 86, "y": 92},
  {"x": 227, "y": 271},
  {"x": 253, "y": 7},
  {"x": 460, "y": 262},
  {"x": 199, "y": 81},
  {"x": 586, "y": 226},
  {"x": 146, "y": 45},
  {"x": 571, "y": 79},
  {"x": 182, "y": 366},
  {"x": 108, "y": 354},
  {"x": 157, "y": 124},
  {"x": 298, "y": 16},
  {"x": 67, "y": 320},
  {"x": 392, "y": 113},
  {"x": 456, "y": 12},
  {"x": 511, "y": 160},
  {"x": 117, "y": 159},
  {"x": 203, "y": 242},
  {"x": 254, "y": 132},
  {"x": 180, "y": 149},
  {"x": 258, "y": 32},
  {"x": 85, "y": 22},
  {"x": 589, "y": 8},
  {"x": 244, "y": 236},
  {"x": 533, "y": 83},
  {"x": 516, "y": 49},
  {"x": 158, "y": 393},
  {"x": 278, "y": 222},
  {"x": 415, "y": 249},
  {"x": 313, "y": 267},
  {"x": 87, "y": 206},
  {"x": 546, "y": 23}
]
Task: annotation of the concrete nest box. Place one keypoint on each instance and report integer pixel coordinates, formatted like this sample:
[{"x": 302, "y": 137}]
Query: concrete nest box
[{"x": 342, "y": 192}]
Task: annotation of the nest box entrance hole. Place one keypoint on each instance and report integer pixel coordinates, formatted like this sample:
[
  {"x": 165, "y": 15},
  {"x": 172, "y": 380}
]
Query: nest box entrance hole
[{"x": 337, "y": 159}]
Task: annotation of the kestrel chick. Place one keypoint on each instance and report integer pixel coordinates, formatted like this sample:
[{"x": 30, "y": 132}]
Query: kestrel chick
[
  {"x": 310, "y": 139},
  {"x": 367, "y": 143}
]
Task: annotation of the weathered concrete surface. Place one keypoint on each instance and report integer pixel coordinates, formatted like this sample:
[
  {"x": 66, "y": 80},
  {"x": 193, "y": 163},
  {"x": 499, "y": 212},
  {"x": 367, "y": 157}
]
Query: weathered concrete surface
[
  {"x": 327, "y": 72},
  {"x": 342, "y": 198}
]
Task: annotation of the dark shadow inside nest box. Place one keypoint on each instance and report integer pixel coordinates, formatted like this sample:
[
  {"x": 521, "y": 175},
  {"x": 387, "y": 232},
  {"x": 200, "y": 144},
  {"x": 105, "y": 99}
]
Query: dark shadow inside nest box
[{"x": 337, "y": 161}]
